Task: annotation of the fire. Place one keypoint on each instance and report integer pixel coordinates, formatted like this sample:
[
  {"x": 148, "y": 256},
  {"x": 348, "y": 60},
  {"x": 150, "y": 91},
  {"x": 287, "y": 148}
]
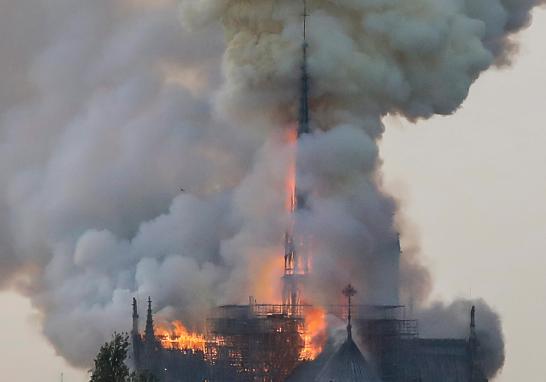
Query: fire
[
  {"x": 176, "y": 336},
  {"x": 291, "y": 138},
  {"x": 315, "y": 333}
]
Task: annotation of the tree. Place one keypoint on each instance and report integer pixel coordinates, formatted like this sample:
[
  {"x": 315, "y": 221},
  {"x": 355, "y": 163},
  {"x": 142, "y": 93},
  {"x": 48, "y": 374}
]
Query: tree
[{"x": 110, "y": 361}]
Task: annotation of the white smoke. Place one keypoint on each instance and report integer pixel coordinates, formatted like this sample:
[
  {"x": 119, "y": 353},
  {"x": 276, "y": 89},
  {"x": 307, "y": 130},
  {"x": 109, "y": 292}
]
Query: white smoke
[{"x": 108, "y": 108}]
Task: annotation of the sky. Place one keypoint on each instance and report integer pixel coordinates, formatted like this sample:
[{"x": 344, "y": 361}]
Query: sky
[{"x": 478, "y": 174}]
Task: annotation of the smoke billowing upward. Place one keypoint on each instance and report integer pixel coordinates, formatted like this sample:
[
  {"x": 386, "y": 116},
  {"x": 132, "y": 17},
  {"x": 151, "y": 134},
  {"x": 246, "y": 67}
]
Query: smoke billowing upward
[{"x": 110, "y": 107}]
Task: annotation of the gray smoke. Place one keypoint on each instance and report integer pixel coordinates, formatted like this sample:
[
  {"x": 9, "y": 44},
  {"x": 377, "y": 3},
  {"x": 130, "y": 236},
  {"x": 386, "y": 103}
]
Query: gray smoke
[
  {"x": 441, "y": 320},
  {"x": 108, "y": 108}
]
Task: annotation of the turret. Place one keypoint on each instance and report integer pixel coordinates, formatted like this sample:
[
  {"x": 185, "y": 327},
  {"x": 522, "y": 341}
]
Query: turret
[{"x": 136, "y": 339}]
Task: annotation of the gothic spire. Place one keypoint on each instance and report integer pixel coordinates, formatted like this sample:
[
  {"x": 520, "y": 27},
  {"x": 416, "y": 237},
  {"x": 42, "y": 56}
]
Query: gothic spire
[
  {"x": 303, "y": 125},
  {"x": 292, "y": 265},
  {"x": 135, "y": 317},
  {"x": 149, "y": 332},
  {"x": 472, "y": 338}
]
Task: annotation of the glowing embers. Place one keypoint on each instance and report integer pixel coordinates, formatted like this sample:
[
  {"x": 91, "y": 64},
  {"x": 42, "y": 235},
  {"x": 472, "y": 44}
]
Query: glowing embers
[
  {"x": 175, "y": 336},
  {"x": 314, "y": 333}
]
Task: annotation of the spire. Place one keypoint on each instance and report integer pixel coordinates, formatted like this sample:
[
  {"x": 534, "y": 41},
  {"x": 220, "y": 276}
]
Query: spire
[
  {"x": 135, "y": 317},
  {"x": 303, "y": 126},
  {"x": 149, "y": 333},
  {"x": 476, "y": 371},
  {"x": 303, "y": 119},
  {"x": 135, "y": 308},
  {"x": 472, "y": 338},
  {"x": 295, "y": 268},
  {"x": 349, "y": 292}
]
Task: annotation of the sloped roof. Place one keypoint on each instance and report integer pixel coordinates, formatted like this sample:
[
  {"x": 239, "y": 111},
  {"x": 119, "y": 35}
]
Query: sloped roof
[{"x": 347, "y": 364}]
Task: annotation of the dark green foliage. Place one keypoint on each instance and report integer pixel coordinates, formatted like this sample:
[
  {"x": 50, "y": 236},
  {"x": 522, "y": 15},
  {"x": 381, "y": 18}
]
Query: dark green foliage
[{"x": 110, "y": 361}]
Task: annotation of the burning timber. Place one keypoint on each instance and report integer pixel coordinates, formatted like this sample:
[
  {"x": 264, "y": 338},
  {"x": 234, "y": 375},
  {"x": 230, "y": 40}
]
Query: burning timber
[{"x": 254, "y": 343}]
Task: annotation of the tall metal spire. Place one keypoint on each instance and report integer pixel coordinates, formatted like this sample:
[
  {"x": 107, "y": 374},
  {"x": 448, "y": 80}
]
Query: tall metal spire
[
  {"x": 476, "y": 371},
  {"x": 473, "y": 339},
  {"x": 295, "y": 269},
  {"x": 303, "y": 126},
  {"x": 135, "y": 317},
  {"x": 303, "y": 120},
  {"x": 303, "y": 117}
]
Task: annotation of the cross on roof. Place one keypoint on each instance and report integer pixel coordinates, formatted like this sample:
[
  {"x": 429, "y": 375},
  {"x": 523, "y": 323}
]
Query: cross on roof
[{"x": 349, "y": 291}]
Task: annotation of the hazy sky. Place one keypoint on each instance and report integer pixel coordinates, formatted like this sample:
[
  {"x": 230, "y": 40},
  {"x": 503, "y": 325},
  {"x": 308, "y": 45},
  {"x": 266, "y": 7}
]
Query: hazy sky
[{"x": 473, "y": 186}]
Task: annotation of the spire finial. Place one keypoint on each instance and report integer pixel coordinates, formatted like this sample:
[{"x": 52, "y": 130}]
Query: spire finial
[{"x": 349, "y": 292}]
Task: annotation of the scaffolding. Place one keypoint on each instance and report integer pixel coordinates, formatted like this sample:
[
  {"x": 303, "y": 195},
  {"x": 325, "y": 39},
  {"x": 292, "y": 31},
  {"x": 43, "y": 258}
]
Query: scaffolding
[{"x": 253, "y": 343}]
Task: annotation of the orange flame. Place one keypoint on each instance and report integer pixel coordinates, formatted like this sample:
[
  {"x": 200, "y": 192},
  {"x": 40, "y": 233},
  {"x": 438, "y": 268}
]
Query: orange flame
[
  {"x": 291, "y": 138},
  {"x": 176, "y": 336},
  {"x": 315, "y": 333}
]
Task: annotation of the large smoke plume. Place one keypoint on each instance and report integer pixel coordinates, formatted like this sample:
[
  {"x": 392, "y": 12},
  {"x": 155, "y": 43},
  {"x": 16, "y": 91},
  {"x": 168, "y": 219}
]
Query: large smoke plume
[{"x": 109, "y": 107}]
